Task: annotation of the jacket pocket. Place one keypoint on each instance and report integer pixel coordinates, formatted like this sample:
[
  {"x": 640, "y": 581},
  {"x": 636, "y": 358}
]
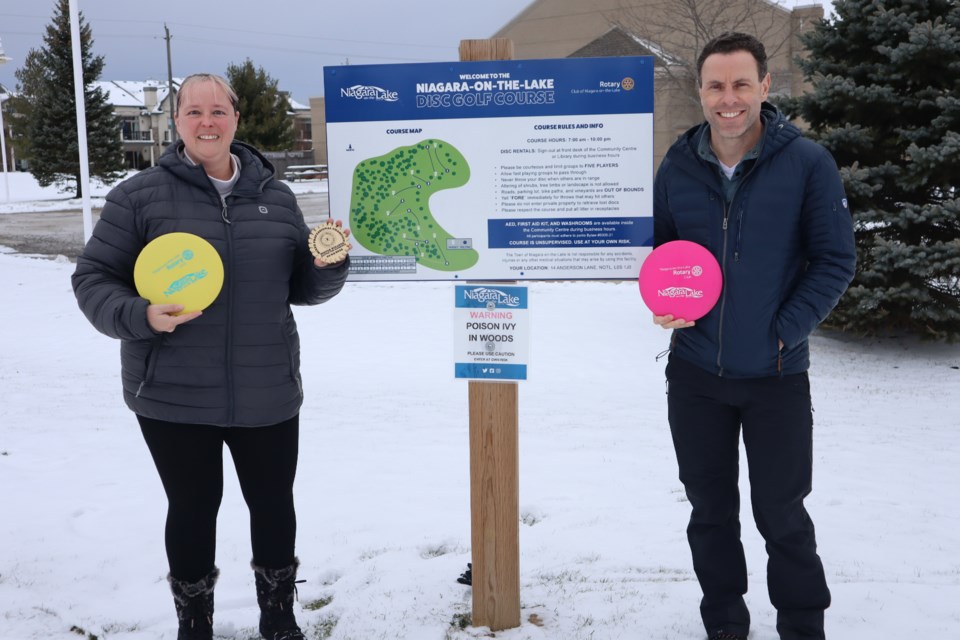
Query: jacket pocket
[
  {"x": 292, "y": 345},
  {"x": 150, "y": 363}
]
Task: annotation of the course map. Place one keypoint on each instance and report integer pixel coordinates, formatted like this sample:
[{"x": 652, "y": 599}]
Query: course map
[{"x": 390, "y": 205}]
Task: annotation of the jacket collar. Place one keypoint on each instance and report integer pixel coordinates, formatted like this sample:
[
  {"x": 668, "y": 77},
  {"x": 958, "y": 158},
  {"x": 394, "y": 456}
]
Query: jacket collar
[
  {"x": 778, "y": 132},
  {"x": 255, "y": 169}
]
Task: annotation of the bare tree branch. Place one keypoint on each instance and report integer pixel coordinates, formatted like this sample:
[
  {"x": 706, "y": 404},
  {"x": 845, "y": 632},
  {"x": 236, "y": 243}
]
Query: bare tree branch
[{"x": 680, "y": 28}]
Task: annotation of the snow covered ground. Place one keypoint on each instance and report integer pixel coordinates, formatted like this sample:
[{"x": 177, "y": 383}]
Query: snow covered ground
[
  {"x": 383, "y": 483},
  {"x": 20, "y": 193}
]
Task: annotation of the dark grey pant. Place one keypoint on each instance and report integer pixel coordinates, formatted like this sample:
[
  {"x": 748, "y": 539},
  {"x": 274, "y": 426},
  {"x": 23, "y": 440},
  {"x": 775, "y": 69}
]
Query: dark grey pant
[{"x": 707, "y": 414}]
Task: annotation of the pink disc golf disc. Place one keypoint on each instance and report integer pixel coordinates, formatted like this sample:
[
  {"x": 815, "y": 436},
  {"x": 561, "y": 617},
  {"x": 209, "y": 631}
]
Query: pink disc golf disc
[{"x": 680, "y": 278}]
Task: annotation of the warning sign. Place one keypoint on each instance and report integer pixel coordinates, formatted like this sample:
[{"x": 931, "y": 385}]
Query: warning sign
[{"x": 491, "y": 330}]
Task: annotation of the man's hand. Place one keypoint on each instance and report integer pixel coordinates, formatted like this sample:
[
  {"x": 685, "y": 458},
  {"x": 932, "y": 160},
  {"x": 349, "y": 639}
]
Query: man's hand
[
  {"x": 162, "y": 318},
  {"x": 669, "y": 322}
]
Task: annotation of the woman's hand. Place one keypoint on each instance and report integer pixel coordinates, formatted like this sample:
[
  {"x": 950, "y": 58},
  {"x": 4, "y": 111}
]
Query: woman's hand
[{"x": 162, "y": 318}]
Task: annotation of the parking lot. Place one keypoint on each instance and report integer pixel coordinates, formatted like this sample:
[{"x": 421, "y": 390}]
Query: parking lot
[{"x": 53, "y": 233}]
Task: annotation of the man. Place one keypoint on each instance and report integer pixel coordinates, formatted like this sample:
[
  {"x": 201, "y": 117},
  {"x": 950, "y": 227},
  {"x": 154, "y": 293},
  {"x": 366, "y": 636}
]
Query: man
[{"x": 769, "y": 204}]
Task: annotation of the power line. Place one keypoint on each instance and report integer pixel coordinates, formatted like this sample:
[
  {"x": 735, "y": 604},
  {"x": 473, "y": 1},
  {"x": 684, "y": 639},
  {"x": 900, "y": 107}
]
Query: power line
[
  {"x": 312, "y": 37},
  {"x": 91, "y": 21},
  {"x": 247, "y": 45}
]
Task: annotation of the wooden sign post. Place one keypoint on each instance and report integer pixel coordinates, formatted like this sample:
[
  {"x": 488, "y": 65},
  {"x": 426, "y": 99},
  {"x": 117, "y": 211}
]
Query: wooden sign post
[{"x": 494, "y": 466}]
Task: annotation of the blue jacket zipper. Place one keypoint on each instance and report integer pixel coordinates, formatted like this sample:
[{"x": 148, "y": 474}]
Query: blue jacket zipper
[{"x": 723, "y": 298}]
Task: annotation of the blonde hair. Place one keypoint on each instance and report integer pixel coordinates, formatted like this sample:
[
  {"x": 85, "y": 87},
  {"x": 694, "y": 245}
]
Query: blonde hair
[{"x": 209, "y": 77}]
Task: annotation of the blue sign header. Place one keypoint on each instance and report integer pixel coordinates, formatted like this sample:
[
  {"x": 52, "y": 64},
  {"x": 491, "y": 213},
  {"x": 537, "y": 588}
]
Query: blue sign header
[
  {"x": 494, "y": 89},
  {"x": 490, "y": 297}
]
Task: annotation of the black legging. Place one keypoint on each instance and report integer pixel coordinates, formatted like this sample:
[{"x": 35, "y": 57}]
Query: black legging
[{"x": 189, "y": 458}]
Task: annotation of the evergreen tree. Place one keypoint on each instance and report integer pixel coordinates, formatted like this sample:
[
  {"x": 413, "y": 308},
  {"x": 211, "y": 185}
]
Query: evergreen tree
[
  {"x": 46, "y": 121},
  {"x": 20, "y": 107},
  {"x": 265, "y": 120},
  {"x": 886, "y": 103}
]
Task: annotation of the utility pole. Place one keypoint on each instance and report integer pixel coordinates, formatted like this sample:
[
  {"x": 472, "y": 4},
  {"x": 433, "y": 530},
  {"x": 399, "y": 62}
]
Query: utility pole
[{"x": 171, "y": 92}]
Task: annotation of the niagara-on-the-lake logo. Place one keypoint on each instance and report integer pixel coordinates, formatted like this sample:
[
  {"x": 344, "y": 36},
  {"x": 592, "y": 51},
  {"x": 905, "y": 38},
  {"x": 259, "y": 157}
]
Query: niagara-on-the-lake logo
[
  {"x": 680, "y": 292},
  {"x": 369, "y": 92},
  {"x": 182, "y": 283},
  {"x": 498, "y": 297}
]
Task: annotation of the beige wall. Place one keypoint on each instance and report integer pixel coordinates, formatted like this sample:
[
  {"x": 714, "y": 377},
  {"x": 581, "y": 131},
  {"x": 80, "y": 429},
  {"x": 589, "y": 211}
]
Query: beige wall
[
  {"x": 319, "y": 117},
  {"x": 558, "y": 28},
  {"x": 673, "y": 113}
]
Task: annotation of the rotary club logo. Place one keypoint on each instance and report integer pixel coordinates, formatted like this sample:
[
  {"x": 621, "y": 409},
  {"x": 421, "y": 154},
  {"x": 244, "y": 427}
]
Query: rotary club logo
[{"x": 627, "y": 84}]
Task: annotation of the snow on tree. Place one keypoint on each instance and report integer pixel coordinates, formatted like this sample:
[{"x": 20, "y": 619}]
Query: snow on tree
[{"x": 45, "y": 121}]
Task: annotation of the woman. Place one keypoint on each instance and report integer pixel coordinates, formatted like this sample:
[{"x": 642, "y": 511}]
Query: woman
[{"x": 229, "y": 374}]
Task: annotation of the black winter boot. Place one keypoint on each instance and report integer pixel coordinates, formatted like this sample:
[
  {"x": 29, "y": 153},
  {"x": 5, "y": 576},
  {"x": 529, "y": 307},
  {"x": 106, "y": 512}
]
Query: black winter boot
[
  {"x": 194, "y": 604},
  {"x": 276, "y": 589}
]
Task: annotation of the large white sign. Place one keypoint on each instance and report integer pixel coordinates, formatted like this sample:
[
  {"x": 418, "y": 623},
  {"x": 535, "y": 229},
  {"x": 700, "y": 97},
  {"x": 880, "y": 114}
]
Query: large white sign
[{"x": 506, "y": 170}]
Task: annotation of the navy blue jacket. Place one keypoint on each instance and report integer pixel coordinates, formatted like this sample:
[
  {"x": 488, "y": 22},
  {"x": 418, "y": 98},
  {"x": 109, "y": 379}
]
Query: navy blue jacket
[
  {"x": 785, "y": 245},
  {"x": 238, "y": 364}
]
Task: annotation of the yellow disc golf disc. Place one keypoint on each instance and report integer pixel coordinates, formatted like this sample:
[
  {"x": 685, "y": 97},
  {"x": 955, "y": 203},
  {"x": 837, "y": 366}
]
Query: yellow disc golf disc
[{"x": 179, "y": 268}]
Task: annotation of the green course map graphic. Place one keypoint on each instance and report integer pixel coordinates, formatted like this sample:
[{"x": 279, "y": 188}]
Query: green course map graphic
[{"x": 390, "y": 205}]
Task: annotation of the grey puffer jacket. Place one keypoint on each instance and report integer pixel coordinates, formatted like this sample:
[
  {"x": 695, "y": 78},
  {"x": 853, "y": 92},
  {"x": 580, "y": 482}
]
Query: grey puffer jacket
[{"x": 238, "y": 364}]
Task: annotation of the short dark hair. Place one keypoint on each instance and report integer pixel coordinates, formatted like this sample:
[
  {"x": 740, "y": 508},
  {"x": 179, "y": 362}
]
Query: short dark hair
[{"x": 731, "y": 42}]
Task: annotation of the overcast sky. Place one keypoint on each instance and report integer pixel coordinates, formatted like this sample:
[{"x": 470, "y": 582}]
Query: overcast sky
[{"x": 291, "y": 39}]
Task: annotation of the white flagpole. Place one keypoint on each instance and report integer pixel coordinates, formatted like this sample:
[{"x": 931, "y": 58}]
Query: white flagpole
[
  {"x": 78, "y": 88},
  {"x": 3, "y": 150},
  {"x": 3, "y": 137}
]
